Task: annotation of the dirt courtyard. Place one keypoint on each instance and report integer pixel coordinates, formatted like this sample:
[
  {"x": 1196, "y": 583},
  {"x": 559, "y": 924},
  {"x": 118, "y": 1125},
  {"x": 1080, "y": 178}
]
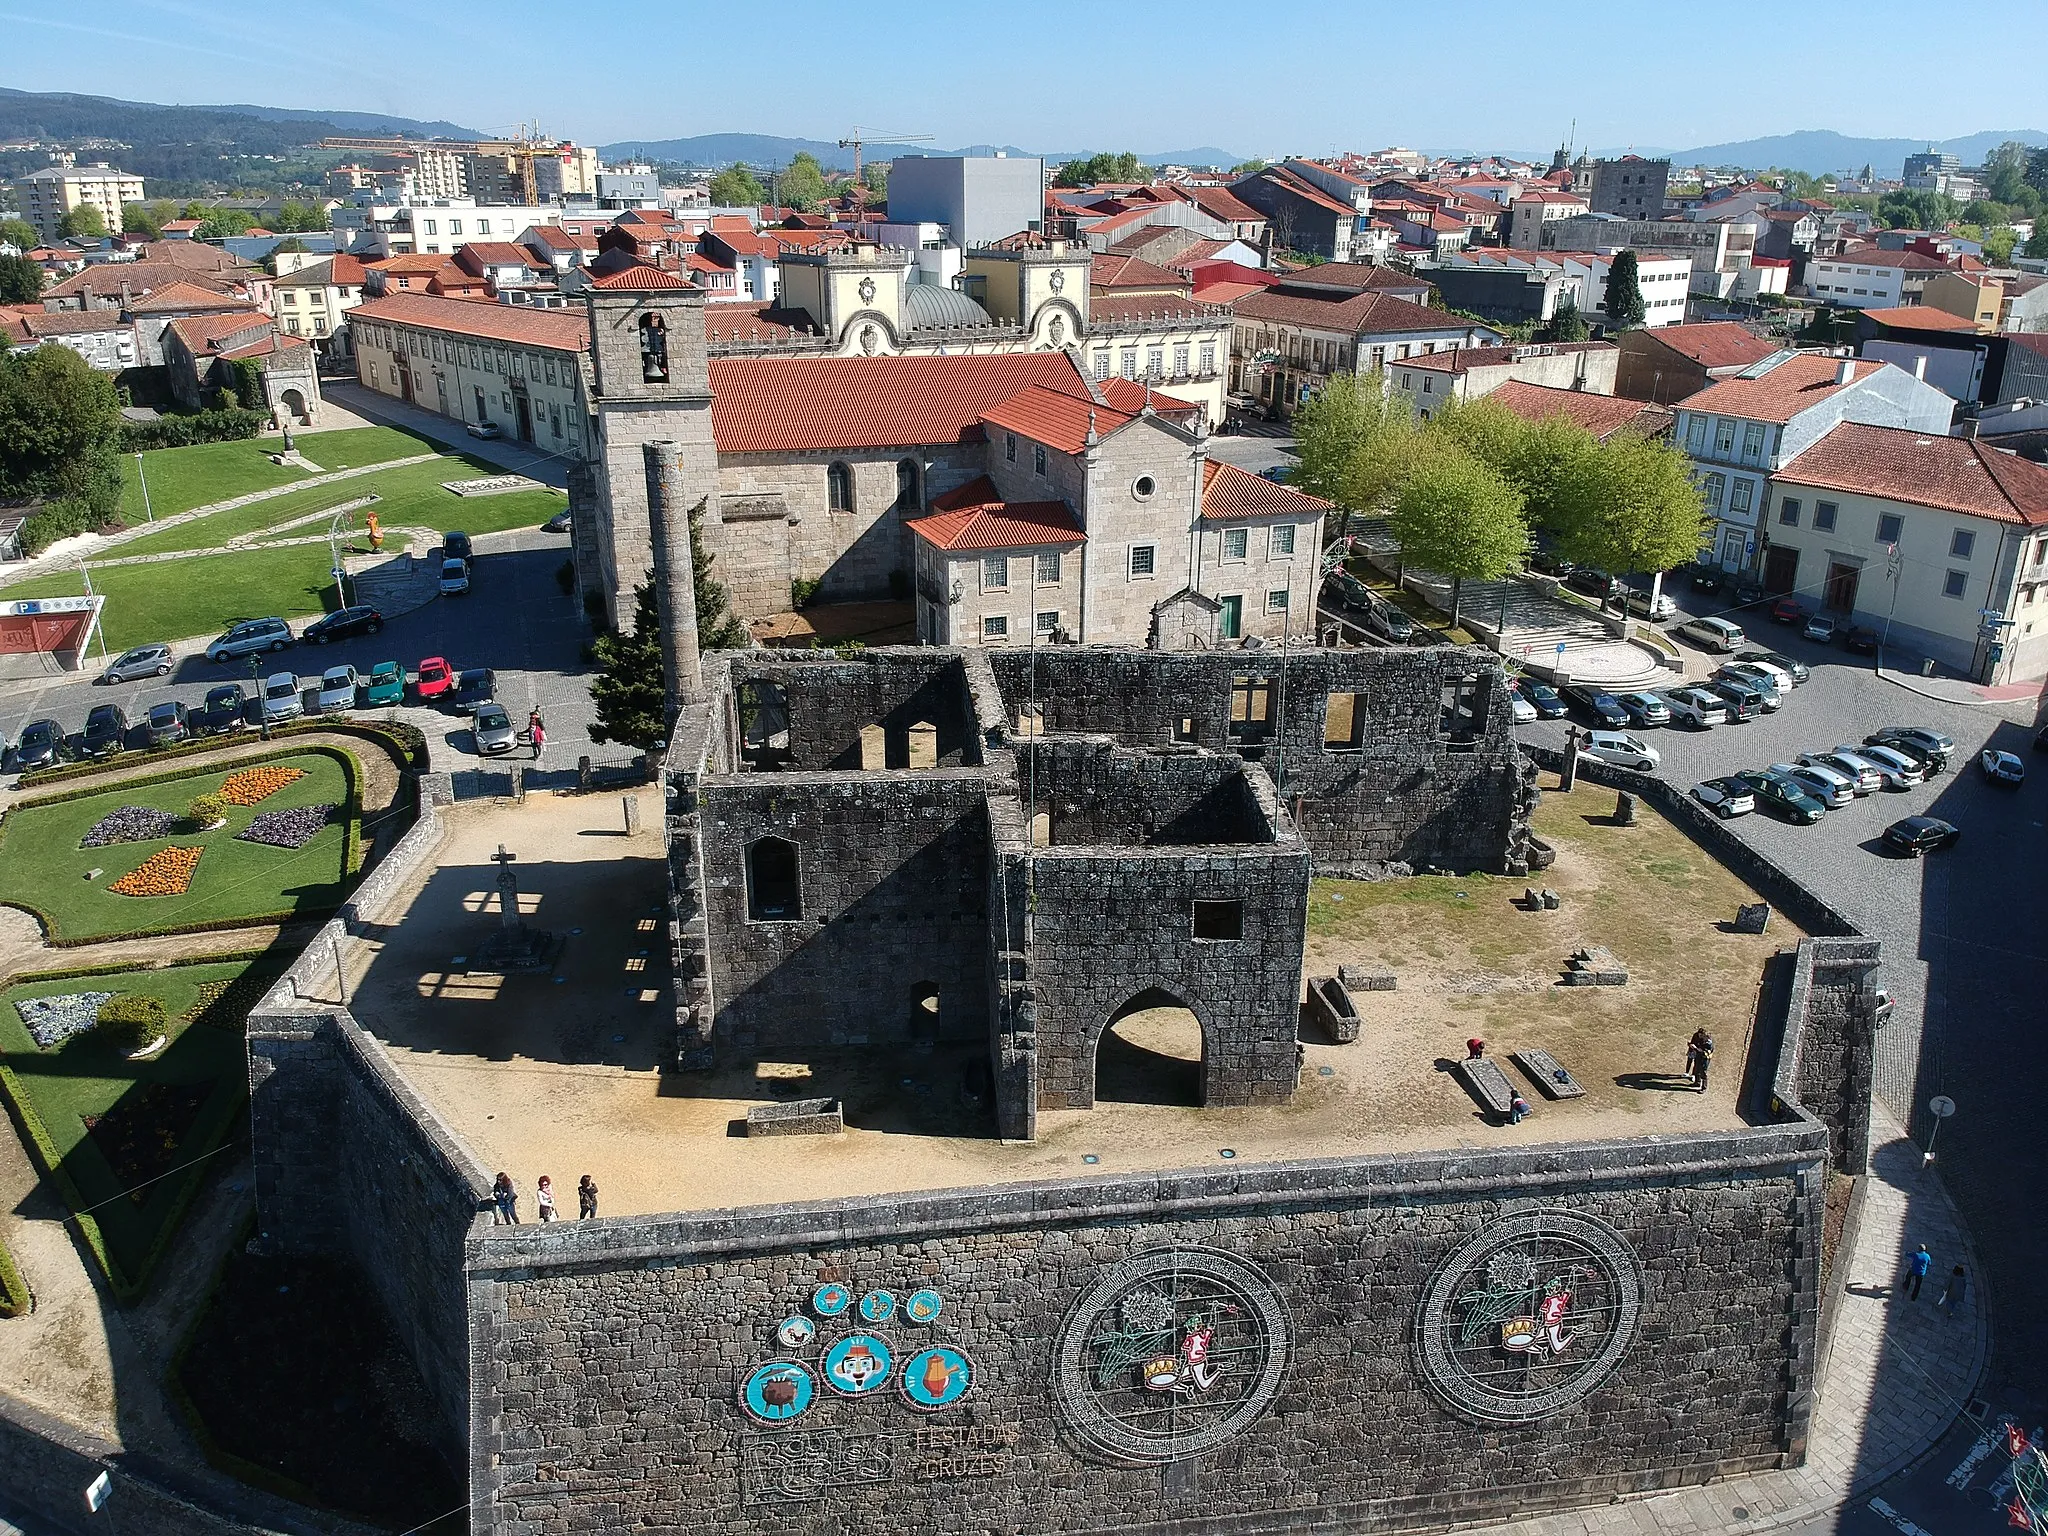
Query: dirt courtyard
[{"x": 559, "y": 1074}]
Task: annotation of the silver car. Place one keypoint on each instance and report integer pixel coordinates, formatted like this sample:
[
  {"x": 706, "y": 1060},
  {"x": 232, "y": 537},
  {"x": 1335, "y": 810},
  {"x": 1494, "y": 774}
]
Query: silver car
[
  {"x": 338, "y": 688},
  {"x": 249, "y": 637},
  {"x": 281, "y": 697},
  {"x": 1696, "y": 707},
  {"x": 1896, "y": 769},
  {"x": 494, "y": 730},
  {"x": 1863, "y": 776},
  {"x": 143, "y": 661},
  {"x": 1830, "y": 788}
]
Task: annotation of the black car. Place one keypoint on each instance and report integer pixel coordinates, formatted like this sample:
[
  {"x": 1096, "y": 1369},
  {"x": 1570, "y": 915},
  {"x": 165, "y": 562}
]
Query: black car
[
  {"x": 455, "y": 546},
  {"x": 1604, "y": 708},
  {"x": 166, "y": 723},
  {"x": 1747, "y": 592},
  {"x": 226, "y": 709},
  {"x": 361, "y": 619},
  {"x": 1347, "y": 592},
  {"x": 478, "y": 685},
  {"x": 1591, "y": 581},
  {"x": 1920, "y": 834},
  {"x": 1544, "y": 697},
  {"x": 1934, "y": 748},
  {"x": 41, "y": 745},
  {"x": 106, "y": 731},
  {"x": 1705, "y": 578},
  {"x": 1861, "y": 639},
  {"x": 1743, "y": 701}
]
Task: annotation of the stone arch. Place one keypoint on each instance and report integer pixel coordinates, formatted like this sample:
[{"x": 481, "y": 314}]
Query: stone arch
[
  {"x": 294, "y": 402},
  {"x": 869, "y": 333},
  {"x": 653, "y": 349},
  {"x": 1148, "y": 1061},
  {"x": 774, "y": 881},
  {"x": 1041, "y": 325},
  {"x": 909, "y": 486}
]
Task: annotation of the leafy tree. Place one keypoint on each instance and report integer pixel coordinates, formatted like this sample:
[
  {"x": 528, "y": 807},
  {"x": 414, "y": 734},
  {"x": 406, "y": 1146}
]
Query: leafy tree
[
  {"x": 136, "y": 220},
  {"x": 19, "y": 232},
  {"x": 1100, "y": 168},
  {"x": 629, "y": 688},
  {"x": 59, "y": 424},
  {"x": 2037, "y": 243},
  {"x": 1998, "y": 244},
  {"x": 1632, "y": 507},
  {"x": 1917, "y": 209},
  {"x": 875, "y": 177},
  {"x": 291, "y": 245},
  {"x": 1342, "y": 418},
  {"x": 1484, "y": 428},
  {"x": 306, "y": 217},
  {"x": 2037, "y": 171},
  {"x": 718, "y": 627},
  {"x": 802, "y": 186},
  {"x": 1565, "y": 322},
  {"x": 737, "y": 187},
  {"x": 1543, "y": 469},
  {"x": 1460, "y": 518},
  {"x": 224, "y": 223},
  {"x": 84, "y": 222},
  {"x": 21, "y": 280},
  {"x": 1625, "y": 307},
  {"x": 1249, "y": 167}
]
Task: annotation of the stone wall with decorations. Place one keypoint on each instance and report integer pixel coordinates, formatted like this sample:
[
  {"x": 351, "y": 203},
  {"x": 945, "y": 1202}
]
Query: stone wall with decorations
[{"x": 1383, "y": 1342}]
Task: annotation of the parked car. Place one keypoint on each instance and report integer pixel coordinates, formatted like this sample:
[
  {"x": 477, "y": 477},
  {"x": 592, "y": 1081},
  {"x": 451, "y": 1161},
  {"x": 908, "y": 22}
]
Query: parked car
[
  {"x": 1545, "y": 561},
  {"x": 143, "y": 661},
  {"x": 1726, "y": 798},
  {"x": 1343, "y": 590},
  {"x": 1822, "y": 627},
  {"x": 281, "y": 700},
  {"x": 40, "y": 745},
  {"x": 1697, "y": 707},
  {"x": 1705, "y": 578},
  {"x": 1743, "y": 701},
  {"x": 1794, "y": 672},
  {"x": 562, "y": 522},
  {"x": 1788, "y": 610},
  {"x": 1711, "y": 634},
  {"x": 361, "y": 619},
  {"x": 455, "y": 546},
  {"x": 474, "y": 686},
  {"x": 1782, "y": 795},
  {"x": 1864, "y": 777},
  {"x": 1747, "y": 591},
  {"x": 434, "y": 678},
  {"x": 487, "y": 430},
  {"x": 166, "y": 723},
  {"x": 250, "y": 636},
  {"x": 1390, "y": 623},
  {"x": 1861, "y": 639},
  {"x": 1279, "y": 474},
  {"x": 1601, "y": 707},
  {"x": 1620, "y": 749},
  {"x": 1521, "y": 709},
  {"x": 385, "y": 685},
  {"x": 1898, "y": 770},
  {"x": 226, "y": 709},
  {"x": 1761, "y": 679},
  {"x": 1549, "y": 705},
  {"x": 1831, "y": 789},
  {"x": 337, "y": 689},
  {"x": 1935, "y": 747},
  {"x": 1638, "y": 600},
  {"x": 454, "y": 577},
  {"x": 1916, "y": 835},
  {"x": 2002, "y": 767},
  {"x": 494, "y": 732},
  {"x": 1591, "y": 581},
  {"x": 1645, "y": 709},
  {"x": 106, "y": 731}
]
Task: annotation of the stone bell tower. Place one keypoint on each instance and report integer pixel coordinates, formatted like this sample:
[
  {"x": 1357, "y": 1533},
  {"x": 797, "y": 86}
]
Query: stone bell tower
[{"x": 652, "y": 384}]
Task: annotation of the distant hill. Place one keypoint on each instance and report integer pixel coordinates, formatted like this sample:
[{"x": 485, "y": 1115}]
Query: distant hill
[
  {"x": 357, "y": 122},
  {"x": 1817, "y": 151},
  {"x": 771, "y": 149}
]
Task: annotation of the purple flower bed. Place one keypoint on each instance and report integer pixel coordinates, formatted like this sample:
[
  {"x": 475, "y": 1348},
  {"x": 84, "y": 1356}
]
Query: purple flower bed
[
  {"x": 130, "y": 824},
  {"x": 51, "y": 1020},
  {"x": 293, "y": 828}
]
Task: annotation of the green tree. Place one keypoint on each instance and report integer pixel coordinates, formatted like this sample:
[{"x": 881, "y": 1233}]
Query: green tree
[
  {"x": 223, "y": 223},
  {"x": 2037, "y": 171},
  {"x": 19, "y": 232},
  {"x": 1917, "y": 209},
  {"x": 1348, "y": 415},
  {"x": 2006, "y": 170},
  {"x": 629, "y": 689},
  {"x": 1625, "y": 307},
  {"x": 1098, "y": 168},
  {"x": 1631, "y": 507},
  {"x": 59, "y": 426},
  {"x": 2037, "y": 243},
  {"x": 1565, "y": 322},
  {"x": 84, "y": 222},
  {"x": 802, "y": 186},
  {"x": 1484, "y": 428},
  {"x": 21, "y": 280},
  {"x": 136, "y": 220},
  {"x": 875, "y": 177},
  {"x": 1248, "y": 167},
  {"x": 1998, "y": 244},
  {"x": 1544, "y": 468},
  {"x": 718, "y": 627},
  {"x": 1459, "y": 518},
  {"x": 737, "y": 187},
  {"x": 300, "y": 217}
]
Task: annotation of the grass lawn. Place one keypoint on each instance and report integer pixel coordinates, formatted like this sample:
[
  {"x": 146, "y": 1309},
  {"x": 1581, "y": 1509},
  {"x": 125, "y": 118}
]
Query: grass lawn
[
  {"x": 174, "y": 599},
  {"x": 42, "y": 866},
  {"x": 153, "y": 1115},
  {"x": 183, "y": 478}
]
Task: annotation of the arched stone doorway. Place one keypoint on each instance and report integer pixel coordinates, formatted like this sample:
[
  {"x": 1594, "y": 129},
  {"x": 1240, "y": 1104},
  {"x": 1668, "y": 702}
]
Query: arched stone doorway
[{"x": 1152, "y": 1051}]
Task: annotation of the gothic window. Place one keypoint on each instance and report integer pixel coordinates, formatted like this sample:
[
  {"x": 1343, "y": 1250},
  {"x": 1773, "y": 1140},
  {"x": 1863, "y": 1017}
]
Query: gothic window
[
  {"x": 839, "y": 487},
  {"x": 653, "y": 350},
  {"x": 908, "y": 497},
  {"x": 773, "y": 890}
]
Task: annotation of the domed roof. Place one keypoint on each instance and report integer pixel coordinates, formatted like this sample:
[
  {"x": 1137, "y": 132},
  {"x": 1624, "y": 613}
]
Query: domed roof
[{"x": 926, "y": 305}]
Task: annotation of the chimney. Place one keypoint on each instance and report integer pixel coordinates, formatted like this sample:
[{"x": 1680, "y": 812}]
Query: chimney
[
  {"x": 1845, "y": 370},
  {"x": 675, "y": 583}
]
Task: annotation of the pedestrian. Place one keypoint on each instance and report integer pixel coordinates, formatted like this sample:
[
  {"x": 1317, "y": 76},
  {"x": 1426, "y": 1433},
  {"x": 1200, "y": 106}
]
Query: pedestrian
[
  {"x": 1474, "y": 1048},
  {"x": 546, "y": 1198},
  {"x": 1954, "y": 1293},
  {"x": 1699, "y": 1055},
  {"x": 1916, "y": 1271},
  {"x": 1518, "y": 1110},
  {"x": 540, "y": 738},
  {"x": 506, "y": 1198},
  {"x": 586, "y": 1198}
]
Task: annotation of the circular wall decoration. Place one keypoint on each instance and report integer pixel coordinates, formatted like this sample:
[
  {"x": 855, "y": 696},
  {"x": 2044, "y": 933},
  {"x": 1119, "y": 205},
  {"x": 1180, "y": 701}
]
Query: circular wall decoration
[
  {"x": 1170, "y": 1354},
  {"x": 831, "y": 1299},
  {"x": 936, "y": 1378},
  {"x": 1529, "y": 1316},
  {"x": 1057, "y": 281},
  {"x": 878, "y": 1306},
  {"x": 1143, "y": 487},
  {"x": 858, "y": 1364},
  {"x": 867, "y": 290},
  {"x": 777, "y": 1392},
  {"x": 795, "y": 1332},
  {"x": 923, "y": 1307}
]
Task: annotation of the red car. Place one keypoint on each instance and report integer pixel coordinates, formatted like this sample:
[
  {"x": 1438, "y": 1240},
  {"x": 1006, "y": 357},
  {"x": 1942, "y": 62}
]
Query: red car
[
  {"x": 1786, "y": 610},
  {"x": 436, "y": 677}
]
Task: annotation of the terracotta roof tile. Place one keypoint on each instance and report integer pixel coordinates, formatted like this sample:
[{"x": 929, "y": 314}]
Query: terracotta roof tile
[
  {"x": 1781, "y": 393},
  {"x": 1054, "y": 417},
  {"x": 1713, "y": 343},
  {"x": 207, "y": 333},
  {"x": 640, "y": 278},
  {"x": 1918, "y": 317},
  {"x": 140, "y": 276},
  {"x": 1230, "y": 494},
  {"x": 1953, "y": 474},
  {"x": 562, "y": 330},
  {"x": 1359, "y": 277},
  {"x": 1107, "y": 271},
  {"x": 1360, "y": 314},
  {"x": 1463, "y": 359},
  {"x": 976, "y": 517},
  {"x": 1601, "y": 415}
]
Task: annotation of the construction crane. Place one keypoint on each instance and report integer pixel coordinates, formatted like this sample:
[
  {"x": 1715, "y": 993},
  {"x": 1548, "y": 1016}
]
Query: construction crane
[
  {"x": 862, "y": 138},
  {"x": 521, "y": 151}
]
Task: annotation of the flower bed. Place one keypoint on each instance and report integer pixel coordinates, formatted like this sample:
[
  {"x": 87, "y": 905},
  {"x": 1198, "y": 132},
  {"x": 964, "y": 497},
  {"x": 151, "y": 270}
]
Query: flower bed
[
  {"x": 293, "y": 828},
  {"x": 140, "y": 1136},
  {"x": 167, "y": 872},
  {"x": 52, "y": 1020},
  {"x": 130, "y": 824},
  {"x": 252, "y": 786}
]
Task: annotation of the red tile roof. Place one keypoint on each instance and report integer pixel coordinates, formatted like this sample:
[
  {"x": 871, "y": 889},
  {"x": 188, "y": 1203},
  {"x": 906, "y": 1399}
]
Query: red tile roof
[
  {"x": 1107, "y": 271},
  {"x": 207, "y": 333},
  {"x": 1131, "y": 397},
  {"x": 797, "y": 404},
  {"x": 561, "y": 329},
  {"x": 185, "y": 296},
  {"x": 640, "y": 278},
  {"x": 1360, "y": 314},
  {"x": 1230, "y": 494},
  {"x": 497, "y": 253},
  {"x": 1054, "y": 417},
  {"x": 1953, "y": 474},
  {"x": 976, "y": 517},
  {"x": 740, "y": 323},
  {"x": 1871, "y": 256},
  {"x": 1713, "y": 343},
  {"x": 1359, "y": 277},
  {"x": 140, "y": 276},
  {"x": 1782, "y": 393},
  {"x": 1463, "y": 359},
  {"x": 1919, "y": 317},
  {"x": 1601, "y": 415},
  {"x": 1219, "y": 203}
]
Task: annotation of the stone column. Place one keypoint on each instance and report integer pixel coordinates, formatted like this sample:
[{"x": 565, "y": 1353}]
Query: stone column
[{"x": 675, "y": 585}]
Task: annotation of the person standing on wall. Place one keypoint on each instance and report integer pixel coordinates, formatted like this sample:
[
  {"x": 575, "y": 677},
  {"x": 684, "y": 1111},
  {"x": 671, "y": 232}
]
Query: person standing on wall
[
  {"x": 545, "y": 1195},
  {"x": 506, "y": 1198},
  {"x": 586, "y": 1198}
]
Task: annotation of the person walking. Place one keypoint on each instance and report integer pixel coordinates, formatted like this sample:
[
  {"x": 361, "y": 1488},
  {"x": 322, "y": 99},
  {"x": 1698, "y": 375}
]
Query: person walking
[
  {"x": 506, "y": 1198},
  {"x": 1955, "y": 1292},
  {"x": 1518, "y": 1110},
  {"x": 540, "y": 737},
  {"x": 546, "y": 1198},
  {"x": 586, "y": 1198},
  {"x": 1916, "y": 1271},
  {"x": 1699, "y": 1055}
]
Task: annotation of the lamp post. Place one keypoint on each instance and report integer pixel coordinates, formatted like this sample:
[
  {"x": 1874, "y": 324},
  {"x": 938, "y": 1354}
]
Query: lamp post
[
  {"x": 335, "y": 568},
  {"x": 1941, "y": 1106},
  {"x": 262, "y": 713},
  {"x": 1892, "y": 565},
  {"x": 148, "y": 515}
]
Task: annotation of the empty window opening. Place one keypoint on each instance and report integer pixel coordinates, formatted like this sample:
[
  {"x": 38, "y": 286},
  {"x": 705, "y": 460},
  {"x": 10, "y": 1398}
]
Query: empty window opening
[
  {"x": 773, "y": 890},
  {"x": 909, "y": 486},
  {"x": 839, "y": 487},
  {"x": 1219, "y": 919},
  {"x": 1184, "y": 729},
  {"x": 1343, "y": 721},
  {"x": 764, "y": 722},
  {"x": 1251, "y": 709},
  {"x": 1151, "y": 1053},
  {"x": 1461, "y": 719}
]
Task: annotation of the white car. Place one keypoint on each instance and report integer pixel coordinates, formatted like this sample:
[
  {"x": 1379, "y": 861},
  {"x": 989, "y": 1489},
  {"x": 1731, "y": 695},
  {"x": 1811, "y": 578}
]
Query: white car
[
  {"x": 1782, "y": 676},
  {"x": 1726, "y": 798},
  {"x": 1821, "y": 627},
  {"x": 1523, "y": 711},
  {"x": 281, "y": 700},
  {"x": 1696, "y": 707},
  {"x": 454, "y": 577},
  {"x": 1896, "y": 769},
  {"x": 1830, "y": 788},
  {"x": 1620, "y": 749},
  {"x": 1861, "y": 774},
  {"x": 338, "y": 689}
]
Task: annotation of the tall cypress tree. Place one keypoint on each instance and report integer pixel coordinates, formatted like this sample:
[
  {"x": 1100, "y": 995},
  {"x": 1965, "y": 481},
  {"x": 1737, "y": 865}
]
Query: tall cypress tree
[{"x": 1625, "y": 307}]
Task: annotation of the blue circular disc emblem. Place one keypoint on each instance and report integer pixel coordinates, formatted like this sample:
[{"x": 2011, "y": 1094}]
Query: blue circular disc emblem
[
  {"x": 796, "y": 1332},
  {"x": 777, "y": 1392},
  {"x": 831, "y": 1300},
  {"x": 858, "y": 1364},
  {"x": 877, "y": 1306},
  {"x": 923, "y": 1307},
  {"x": 936, "y": 1378}
]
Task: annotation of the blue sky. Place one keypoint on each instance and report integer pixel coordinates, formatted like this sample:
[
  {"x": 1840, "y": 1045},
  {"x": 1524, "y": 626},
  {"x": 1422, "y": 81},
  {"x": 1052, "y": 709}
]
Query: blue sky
[{"x": 1270, "y": 78}]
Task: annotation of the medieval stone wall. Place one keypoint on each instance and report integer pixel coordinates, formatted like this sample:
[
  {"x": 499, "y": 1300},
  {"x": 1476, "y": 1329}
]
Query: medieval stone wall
[
  {"x": 1093, "y": 792},
  {"x": 829, "y": 702},
  {"x": 1827, "y": 1065}
]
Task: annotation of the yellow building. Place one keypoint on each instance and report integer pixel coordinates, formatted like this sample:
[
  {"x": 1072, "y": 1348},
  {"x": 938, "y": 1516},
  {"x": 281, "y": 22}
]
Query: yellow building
[{"x": 1974, "y": 297}]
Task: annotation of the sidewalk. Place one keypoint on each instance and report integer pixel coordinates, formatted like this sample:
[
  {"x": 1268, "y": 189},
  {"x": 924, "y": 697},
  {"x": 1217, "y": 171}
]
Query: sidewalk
[
  {"x": 2016, "y": 699},
  {"x": 548, "y": 468},
  {"x": 1895, "y": 1375}
]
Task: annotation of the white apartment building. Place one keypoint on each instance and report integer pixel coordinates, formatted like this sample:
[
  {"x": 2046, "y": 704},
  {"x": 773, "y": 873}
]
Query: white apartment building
[
  {"x": 45, "y": 196},
  {"x": 311, "y": 301},
  {"x": 1867, "y": 278},
  {"x": 437, "y": 228},
  {"x": 1663, "y": 276}
]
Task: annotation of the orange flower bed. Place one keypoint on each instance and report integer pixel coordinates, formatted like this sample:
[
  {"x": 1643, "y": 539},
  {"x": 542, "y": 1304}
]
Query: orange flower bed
[
  {"x": 167, "y": 872},
  {"x": 253, "y": 785}
]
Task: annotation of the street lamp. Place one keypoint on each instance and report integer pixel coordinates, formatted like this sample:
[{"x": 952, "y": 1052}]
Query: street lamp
[
  {"x": 147, "y": 514},
  {"x": 1941, "y": 1106},
  {"x": 335, "y": 568},
  {"x": 256, "y": 680}
]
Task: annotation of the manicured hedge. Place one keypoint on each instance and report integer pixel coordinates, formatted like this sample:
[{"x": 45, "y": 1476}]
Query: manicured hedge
[
  {"x": 14, "y": 1297},
  {"x": 221, "y": 426}
]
